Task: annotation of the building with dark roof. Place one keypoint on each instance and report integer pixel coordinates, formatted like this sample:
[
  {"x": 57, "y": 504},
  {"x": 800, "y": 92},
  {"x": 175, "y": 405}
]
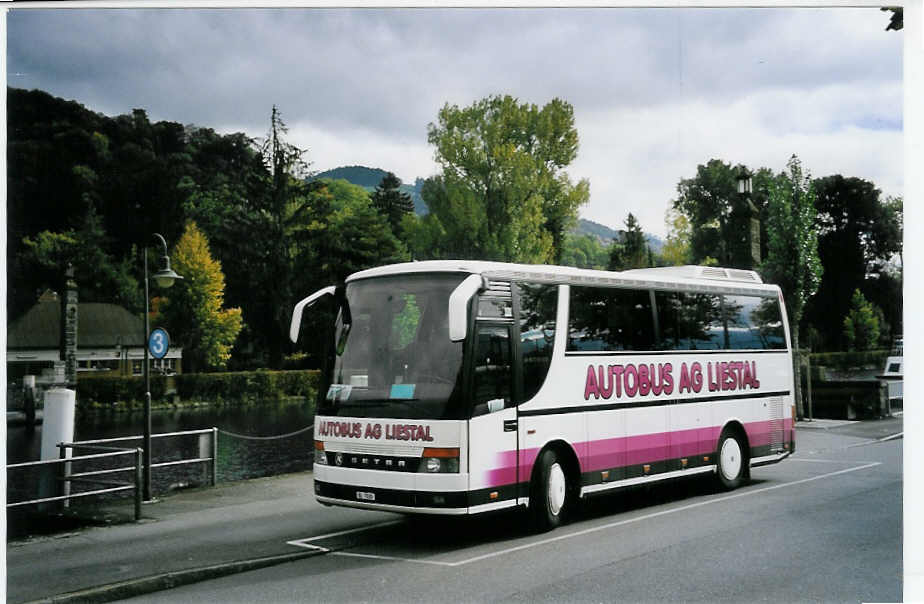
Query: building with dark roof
[{"x": 110, "y": 341}]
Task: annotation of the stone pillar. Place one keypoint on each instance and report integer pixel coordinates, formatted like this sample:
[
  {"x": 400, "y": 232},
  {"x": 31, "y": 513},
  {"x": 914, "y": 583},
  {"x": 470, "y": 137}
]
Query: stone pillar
[
  {"x": 754, "y": 236},
  {"x": 745, "y": 218},
  {"x": 68, "y": 352}
]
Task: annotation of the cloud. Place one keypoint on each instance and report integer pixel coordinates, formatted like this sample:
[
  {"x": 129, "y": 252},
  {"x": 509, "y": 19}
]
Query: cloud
[
  {"x": 656, "y": 91},
  {"x": 328, "y": 149},
  {"x": 635, "y": 157}
]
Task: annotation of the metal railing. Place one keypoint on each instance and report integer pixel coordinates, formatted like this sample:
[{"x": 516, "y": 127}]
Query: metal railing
[
  {"x": 212, "y": 458},
  {"x": 65, "y": 478},
  {"x": 101, "y": 449}
]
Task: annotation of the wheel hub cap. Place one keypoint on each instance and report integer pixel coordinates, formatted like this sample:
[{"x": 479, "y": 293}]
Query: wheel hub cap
[
  {"x": 731, "y": 459},
  {"x": 557, "y": 485}
]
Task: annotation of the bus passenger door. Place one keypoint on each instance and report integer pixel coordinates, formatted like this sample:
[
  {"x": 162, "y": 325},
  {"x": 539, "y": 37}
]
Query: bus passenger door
[{"x": 493, "y": 450}]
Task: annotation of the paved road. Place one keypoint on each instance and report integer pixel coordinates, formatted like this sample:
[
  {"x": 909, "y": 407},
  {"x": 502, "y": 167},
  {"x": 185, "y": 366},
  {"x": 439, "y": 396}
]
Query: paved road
[{"x": 825, "y": 526}]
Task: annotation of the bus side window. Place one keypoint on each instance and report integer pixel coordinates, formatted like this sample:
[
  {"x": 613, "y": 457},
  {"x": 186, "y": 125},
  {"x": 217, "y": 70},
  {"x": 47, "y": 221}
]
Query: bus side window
[
  {"x": 754, "y": 323},
  {"x": 538, "y": 308},
  {"x": 689, "y": 321},
  {"x": 492, "y": 369},
  {"x": 607, "y": 318}
]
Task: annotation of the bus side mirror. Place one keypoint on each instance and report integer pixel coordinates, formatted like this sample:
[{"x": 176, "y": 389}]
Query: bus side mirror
[
  {"x": 297, "y": 312},
  {"x": 458, "y": 306}
]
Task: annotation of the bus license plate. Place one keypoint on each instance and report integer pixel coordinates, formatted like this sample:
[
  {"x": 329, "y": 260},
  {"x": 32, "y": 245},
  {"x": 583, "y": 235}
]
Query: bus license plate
[{"x": 365, "y": 496}]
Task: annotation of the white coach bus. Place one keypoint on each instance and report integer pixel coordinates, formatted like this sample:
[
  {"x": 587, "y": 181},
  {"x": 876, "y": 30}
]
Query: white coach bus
[{"x": 459, "y": 387}]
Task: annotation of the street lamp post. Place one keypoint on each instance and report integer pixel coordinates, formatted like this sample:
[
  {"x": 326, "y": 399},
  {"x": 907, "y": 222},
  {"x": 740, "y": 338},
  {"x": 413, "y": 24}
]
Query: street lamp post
[
  {"x": 750, "y": 221},
  {"x": 164, "y": 278}
]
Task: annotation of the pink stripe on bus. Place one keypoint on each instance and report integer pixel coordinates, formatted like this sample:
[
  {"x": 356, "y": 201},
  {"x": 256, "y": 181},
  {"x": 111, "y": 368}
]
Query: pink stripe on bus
[{"x": 610, "y": 453}]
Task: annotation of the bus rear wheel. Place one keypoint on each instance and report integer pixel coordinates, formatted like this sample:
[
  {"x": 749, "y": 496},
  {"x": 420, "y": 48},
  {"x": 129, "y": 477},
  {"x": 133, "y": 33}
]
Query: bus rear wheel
[
  {"x": 548, "y": 497},
  {"x": 731, "y": 460}
]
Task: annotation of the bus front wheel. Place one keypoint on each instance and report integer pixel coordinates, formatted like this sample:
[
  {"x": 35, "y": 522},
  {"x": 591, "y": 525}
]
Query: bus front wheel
[
  {"x": 731, "y": 460},
  {"x": 548, "y": 498}
]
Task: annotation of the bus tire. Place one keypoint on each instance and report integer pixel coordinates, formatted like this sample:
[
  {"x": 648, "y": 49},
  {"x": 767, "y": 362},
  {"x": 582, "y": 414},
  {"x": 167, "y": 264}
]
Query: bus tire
[
  {"x": 731, "y": 460},
  {"x": 548, "y": 493}
]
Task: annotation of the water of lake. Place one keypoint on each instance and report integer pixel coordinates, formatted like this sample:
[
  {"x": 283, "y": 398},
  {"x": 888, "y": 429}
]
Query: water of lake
[{"x": 254, "y": 441}]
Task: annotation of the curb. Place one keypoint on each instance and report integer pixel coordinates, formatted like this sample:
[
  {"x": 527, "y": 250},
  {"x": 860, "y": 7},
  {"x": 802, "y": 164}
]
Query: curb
[
  {"x": 824, "y": 424},
  {"x": 153, "y": 583}
]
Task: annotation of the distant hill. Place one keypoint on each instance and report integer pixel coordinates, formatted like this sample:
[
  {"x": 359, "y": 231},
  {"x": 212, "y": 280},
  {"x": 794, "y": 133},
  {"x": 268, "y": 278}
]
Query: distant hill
[
  {"x": 370, "y": 178},
  {"x": 588, "y": 227},
  {"x": 605, "y": 234}
]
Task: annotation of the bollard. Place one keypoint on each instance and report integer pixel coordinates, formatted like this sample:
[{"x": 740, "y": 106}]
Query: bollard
[
  {"x": 64, "y": 475},
  {"x": 214, "y": 456},
  {"x": 57, "y": 427},
  {"x": 139, "y": 462},
  {"x": 28, "y": 399}
]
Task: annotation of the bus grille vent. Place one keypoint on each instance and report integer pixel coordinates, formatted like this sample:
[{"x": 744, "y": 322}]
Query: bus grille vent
[
  {"x": 776, "y": 424},
  {"x": 739, "y": 275},
  {"x": 714, "y": 273},
  {"x": 498, "y": 289}
]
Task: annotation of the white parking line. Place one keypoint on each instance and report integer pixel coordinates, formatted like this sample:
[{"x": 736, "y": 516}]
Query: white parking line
[
  {"x": 306, "y": 543},
  {"x": 877, "y": 440},
  {"x": 840, "y": 461},
  {"x": 394, "y": 558},
  {"x": 504, "y": 552}
]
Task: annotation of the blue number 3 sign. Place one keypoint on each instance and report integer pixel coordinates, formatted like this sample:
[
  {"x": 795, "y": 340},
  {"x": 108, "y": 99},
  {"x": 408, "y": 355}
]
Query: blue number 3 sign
[{"x": 159, "y": 343}]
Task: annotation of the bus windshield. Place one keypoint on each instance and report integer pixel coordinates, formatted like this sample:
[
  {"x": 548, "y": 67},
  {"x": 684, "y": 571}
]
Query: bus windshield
[{"x": 394, "y": 357}]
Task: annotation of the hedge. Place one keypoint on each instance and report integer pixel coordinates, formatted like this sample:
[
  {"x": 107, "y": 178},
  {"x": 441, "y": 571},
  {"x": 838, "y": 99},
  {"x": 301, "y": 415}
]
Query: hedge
[
  {"x": 231, "y": 387},
  {"x": 844, "y": 361}
]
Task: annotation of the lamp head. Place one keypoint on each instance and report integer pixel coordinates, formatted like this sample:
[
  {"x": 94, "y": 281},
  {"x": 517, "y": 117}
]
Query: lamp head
[
  {"x": 165, "y": 276},
  {"x": 744, "y": 181}
]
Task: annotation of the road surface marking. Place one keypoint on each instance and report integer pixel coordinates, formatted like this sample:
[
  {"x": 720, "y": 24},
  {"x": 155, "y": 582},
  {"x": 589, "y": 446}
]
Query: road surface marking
[
  {"x": 877, "y": 440},
  {"x": 840, "y": 461},
  {"x": 306, "y": 542},
  {"x": 588, "y": 531},
  {"x": 395, "y": 558},
  {"x": 661, "y": 513}
]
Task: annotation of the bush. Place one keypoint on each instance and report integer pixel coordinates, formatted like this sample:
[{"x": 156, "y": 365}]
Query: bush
[
  {"x": 844, "y": 361},
  {"x": 124, "y": 391},
  {"x": 231, "y": 387}
]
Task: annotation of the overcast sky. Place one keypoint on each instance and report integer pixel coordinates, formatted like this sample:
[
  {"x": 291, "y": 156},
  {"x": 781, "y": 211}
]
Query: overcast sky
[{"x": 655, "y": 91}]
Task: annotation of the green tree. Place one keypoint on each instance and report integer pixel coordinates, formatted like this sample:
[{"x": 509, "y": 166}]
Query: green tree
[
  {"x": 894, "y": 215},
  {"x": 426, "y": 237},
  {"x": 629, "y": 250},
  {"x": 503, "y": 193},
  {"x": 676, "y": 250},
  {"x": 635, "y": 249},
  {"x": 351, "y": 235},
  {"x": 584, "y": 251},
  {"x": 391, "y": 202},
  {"x": 99, "y": 276},
  {"x": 343, "y": 233},
  {"x": 792, "y": 260},
  {"x": 858, "y": 235},
  {"x": 193, "y": 309},
  {"x": 617, "y": 256},
  {"x": 717, "y": 213},
  {"x": 861, "y": 325}
]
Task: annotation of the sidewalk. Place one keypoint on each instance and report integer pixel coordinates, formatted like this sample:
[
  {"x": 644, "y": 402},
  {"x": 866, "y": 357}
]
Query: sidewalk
[{"x": 187, "y": 537}]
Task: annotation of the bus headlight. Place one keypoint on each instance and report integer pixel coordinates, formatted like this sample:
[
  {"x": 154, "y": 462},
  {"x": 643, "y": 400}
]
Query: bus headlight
[
  {"x": 440, "y": 460},
  {"x": 320, "y": 456}
]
